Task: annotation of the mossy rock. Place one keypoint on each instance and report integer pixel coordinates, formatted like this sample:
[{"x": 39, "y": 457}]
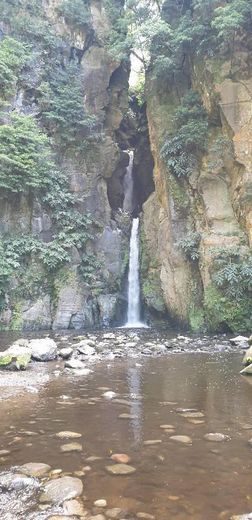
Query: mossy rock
[
  {"x": 5, "y": 360},
  {"x": 22, "y": 361}
]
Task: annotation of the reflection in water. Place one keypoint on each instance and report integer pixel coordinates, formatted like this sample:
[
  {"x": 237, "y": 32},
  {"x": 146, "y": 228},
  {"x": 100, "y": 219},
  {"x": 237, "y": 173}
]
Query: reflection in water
[
  {"x": 204, "y": 481},
  {"x": 134, "y": 383}
]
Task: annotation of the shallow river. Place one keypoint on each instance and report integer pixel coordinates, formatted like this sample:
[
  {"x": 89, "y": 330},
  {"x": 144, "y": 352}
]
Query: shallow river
[{"x": 204, "y": 480}]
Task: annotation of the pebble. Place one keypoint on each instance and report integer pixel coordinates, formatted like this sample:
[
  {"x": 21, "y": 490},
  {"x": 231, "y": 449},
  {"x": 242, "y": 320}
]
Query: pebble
[
  {"x": 68, "y": 435},
  {"x": 72, "y": 446},
  {"x": 216, "y": 437},
  {"x": 152, "y": 442},
  {"x": 101, "y": 502},
  {"x": 146, "y": 516},
  {"x": 166, "y": 426},
  {"x": 3, "y": 453},
  {"x": 120, "y": 457},
  {"x": 184, "y": 439},
  {"x": 96, "y": 517},
  {"x": 120, "y": 469},
  {"x": 109, "y": 395},
  {"x": 115, "y": 512},
  {"x": 93, "y": 458},
  {"x": 127, "y": 416},
  {"x": 73, "y": 507}
]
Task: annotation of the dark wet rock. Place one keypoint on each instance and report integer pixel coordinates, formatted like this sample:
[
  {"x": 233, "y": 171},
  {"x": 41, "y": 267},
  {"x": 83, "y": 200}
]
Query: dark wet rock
[
  {"x": 35, "y": 469},
  {"x": 216, "y": 437},
  {"x": 120, "y": 469},
  {"x": 17, "y": 481},
  {"x": 72, "y": 446},
  {"x": 66, "y": 352},
  {"x": 43, "y": 349},
  {"x": 61, "y": 489}
]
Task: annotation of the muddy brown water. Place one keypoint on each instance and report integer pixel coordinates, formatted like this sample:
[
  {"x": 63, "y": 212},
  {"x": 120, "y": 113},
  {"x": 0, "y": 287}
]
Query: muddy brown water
[{"x": 203, "y": 481}]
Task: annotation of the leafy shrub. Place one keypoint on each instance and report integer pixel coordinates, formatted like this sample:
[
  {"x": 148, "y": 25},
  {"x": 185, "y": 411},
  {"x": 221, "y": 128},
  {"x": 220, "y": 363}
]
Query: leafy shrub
[
  {"x": 62, "y": 109},
  {"x": 182, "y": 148},
  {"x": 190, "y": 245},
  {"x": 25, "y": 160},
  {"x": 75, "y": 12},
  {"x": 235, "y": 278},
  {"x": 13, "y": 55}
]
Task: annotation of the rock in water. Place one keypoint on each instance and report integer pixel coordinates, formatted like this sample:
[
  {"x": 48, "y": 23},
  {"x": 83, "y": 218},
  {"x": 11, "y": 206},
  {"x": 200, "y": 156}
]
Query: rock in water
[
  {"x": 43, "y": 349},
  {"x": 216, "y": 437},
  {"x": 247, "y": 370},
  {"x": 61, "y": 489},
  {"x": 17, "y": 481},
  {"x": 75, "y": 364},
  {"x": 35, "y": 469},
  {"x": 120, "y": 457},
  {"x": 72, "y": 446},
  {"x": 184, "y": 439},
  {"x": 68, "y": 435},
  {"x": 66, "y": 352},
  {"x": 247, "y": 360},
  {"x": 120, "y": 469}
]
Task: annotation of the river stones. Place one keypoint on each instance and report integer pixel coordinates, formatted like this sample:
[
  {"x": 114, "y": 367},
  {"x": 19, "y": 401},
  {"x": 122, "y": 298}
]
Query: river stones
[
  {"x": 61, "y": 489},
  {"x": 66, "y": 352},
  {"x": 68, "y": 435},
  {"x": 152, "y": 442},
  {"x": 43, "y": 349},
  {"x": 85, "y": 349},
  {"x": 101, "y": 502},
  {"x": 17, "y": 481},
  {"x": 115, "y": 513},
  {"x": 109, "y": 394},
  {"x": 192, "y": 415},
  {"x": 73, "y": 507},
  {"x": 127, "y": 416},
  {"x": 121, "y": 458},
  {"x": 72, "y": 446},
  {"x": 74, "y": 364},
  {"x": 35, "y": 469},
  {"x": 4, "y": 453},
  {"x": 145, "y": 516},
  {"x": 166, "y": 426},
  {"x": 216, "y": 437},
  {"x": 184, "y": 439},
  {"x": 120, "y": 469},
  {"x": 242, "y": 517}
]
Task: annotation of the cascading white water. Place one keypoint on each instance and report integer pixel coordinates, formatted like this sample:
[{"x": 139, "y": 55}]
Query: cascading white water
[
  {"x": 128, "y": 185},
  {"x": 133, "y": 278}
]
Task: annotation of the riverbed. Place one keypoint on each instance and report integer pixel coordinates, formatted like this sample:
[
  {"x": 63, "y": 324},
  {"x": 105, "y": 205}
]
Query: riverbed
[{"x": 188, "y": 393}]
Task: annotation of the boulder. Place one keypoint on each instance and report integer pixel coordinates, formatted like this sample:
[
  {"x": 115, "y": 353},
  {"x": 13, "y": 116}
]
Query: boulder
[
  {"x": 241, "y": 341},
  {"x": 247, "y": 360},
  {"x": 247, "y": 370},
  {"x": 61, "y": 489},
  {"x": 75, "y": 364},
  {"x": 43, "y": 349},
  {"x": 17, "y": 481},
  {"x": 66, "y": 352}
]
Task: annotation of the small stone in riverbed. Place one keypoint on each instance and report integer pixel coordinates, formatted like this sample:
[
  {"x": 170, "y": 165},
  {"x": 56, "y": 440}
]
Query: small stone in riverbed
[
  {"x": 100, "y": 503},
  {"x": 109, "y": 394},
  {"x": 115, "y": 512},
  {"x": 120, "y": 469},
  {"x": 184, "y": 439},
  {"x": 195, "y": 421},
  {"x": 66, "y": 352},
  {"x": 75, "y": 364},
  {"x": 35, "y": 469},
  {"x": 120, "y": 457},
  {"x": 61, "y": 489},
  {"x": 127, "y": 416},
  {"x": 3, "y": 453},
  {"x": 166, "y": 426},
  {"x": 216, "y": 437},
  {"x": 73, "y": 507},
  {"x": 96, "y": 517},
  {"x": 192, "y": 415},
  {"x": 146, "y": 516},
  {"x": 72, "y": 446},
  {"x": 68, "y": 435},
  {"x": 93, "y": 458},
  {"x": 152, "y": 442}
]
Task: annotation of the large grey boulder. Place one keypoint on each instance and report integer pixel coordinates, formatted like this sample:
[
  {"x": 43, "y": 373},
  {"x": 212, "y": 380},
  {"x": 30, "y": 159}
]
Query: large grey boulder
[
  {"x": 61, "y": 489},
  {"x": 247, "y": 360},
  {"x": 43, "y": 349}
]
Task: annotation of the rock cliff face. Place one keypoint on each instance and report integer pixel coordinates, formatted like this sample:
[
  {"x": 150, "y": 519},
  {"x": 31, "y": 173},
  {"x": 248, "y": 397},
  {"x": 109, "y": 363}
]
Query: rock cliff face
[
  {"x": 64, "y": 298},
  {"x": 196, "y": 227}
]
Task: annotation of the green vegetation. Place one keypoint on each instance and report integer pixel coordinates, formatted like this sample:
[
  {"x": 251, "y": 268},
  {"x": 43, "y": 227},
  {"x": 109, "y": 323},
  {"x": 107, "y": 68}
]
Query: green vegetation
[
  {"x": 182, "y": 148},
  {"x": 13, "y": 56},
  {"x": 222, "y": 312},
  {"x": 190, "y": 245},
  {"x": 24, "y": 155},
  {"x": 62, "y": 109},
  {"x": 75, "y": 12}
]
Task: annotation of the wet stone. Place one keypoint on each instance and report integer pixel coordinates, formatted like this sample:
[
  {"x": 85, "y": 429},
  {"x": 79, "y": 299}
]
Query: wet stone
[
  {"x": 4, "y": 453},
  {"x": 115, "y": 512},
  {"x": 121, "y": 458},
  {"x": 68, "y": 435},
  {"x": 72, "y": 446},
  {"x": 216, "y": 437},
  {"x": 17, "y": 481},
  {"x": 184, "y": 439},
  {"x": 120, "y": 469},
  {"x": 127, "y": 416},
  {"x": 100, "y": 503},
  {"x": 61, "y": 489},
  {"x": 35, "y": 469},
  {"x": 145, "y": 516},
  {"x": 152, "y": 442},
  {"x": 73, "y": 507}
]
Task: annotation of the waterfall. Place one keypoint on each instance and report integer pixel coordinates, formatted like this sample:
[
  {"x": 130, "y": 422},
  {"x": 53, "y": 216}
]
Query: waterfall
[
  {"x": 133, "y": 318},
  {"x": 128, "y": 186}
]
